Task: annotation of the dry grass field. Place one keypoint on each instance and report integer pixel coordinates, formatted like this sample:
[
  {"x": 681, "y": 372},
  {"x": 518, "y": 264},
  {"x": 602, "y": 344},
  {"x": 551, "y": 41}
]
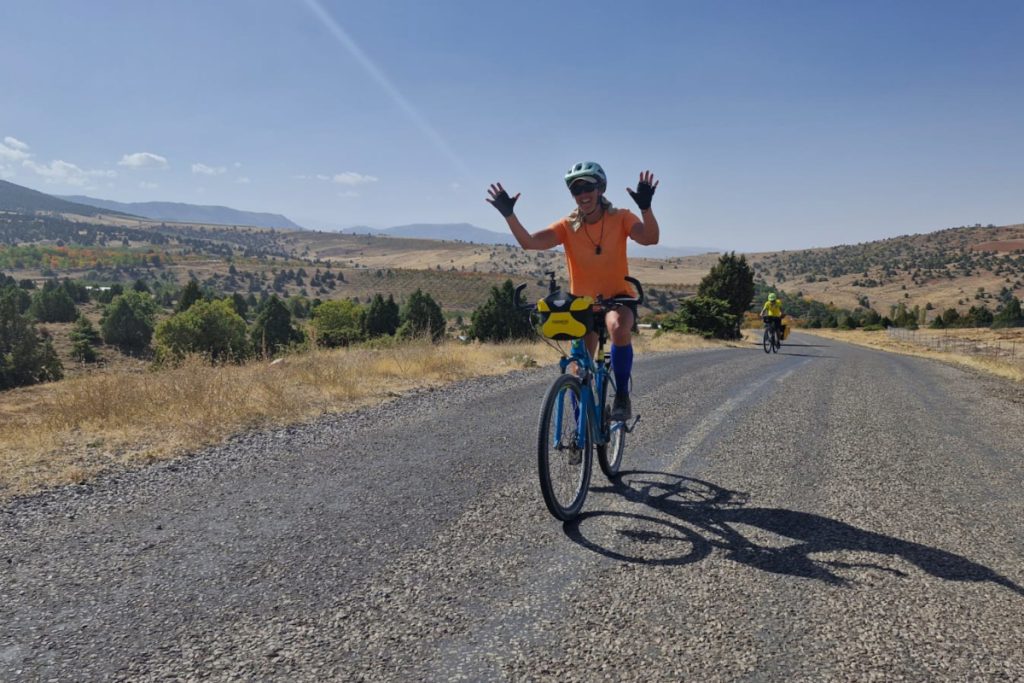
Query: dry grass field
[{"x": 125, "y": 416}]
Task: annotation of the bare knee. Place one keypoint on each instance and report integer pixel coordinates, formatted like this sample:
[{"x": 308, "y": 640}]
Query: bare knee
[{"x": 620, "y": 326}]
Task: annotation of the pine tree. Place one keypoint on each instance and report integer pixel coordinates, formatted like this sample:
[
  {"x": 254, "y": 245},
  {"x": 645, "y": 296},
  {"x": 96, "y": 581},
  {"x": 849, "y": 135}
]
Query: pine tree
[
  {"x": 273, "y": 328},
  {"x": 84, "y": 338},
  {"x": 382, "y": 317},
  {"x": 422, "y": 316},
  {"x": 25, "y": 357},
  {"x": 129, "y": 320},
  {"x": 498, "y": 319},
  {"x": 731, "y": 280},
  {"x": 190, "y": 294}
]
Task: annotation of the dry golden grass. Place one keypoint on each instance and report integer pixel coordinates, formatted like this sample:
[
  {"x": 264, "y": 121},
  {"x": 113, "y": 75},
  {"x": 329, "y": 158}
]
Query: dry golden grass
[
  {"x": 1009, "y": 368},
  {"x": 66, "y": 432}
]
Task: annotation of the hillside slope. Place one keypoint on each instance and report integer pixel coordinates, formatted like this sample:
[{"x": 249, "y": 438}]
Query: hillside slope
[
  {"x": 952, "y": 268},
  {"x": 190, "y": 213},
  {"x": 19, "y": 199}
]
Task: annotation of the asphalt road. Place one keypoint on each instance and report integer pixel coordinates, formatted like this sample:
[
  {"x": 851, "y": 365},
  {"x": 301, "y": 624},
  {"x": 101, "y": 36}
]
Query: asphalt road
[{"x": 827, "y": 513}]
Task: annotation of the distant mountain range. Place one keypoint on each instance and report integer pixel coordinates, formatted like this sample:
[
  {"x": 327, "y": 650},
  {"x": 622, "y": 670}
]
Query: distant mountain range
[
  {"x": 189, "y": 213},
  {"x": 24, "y": 200},
  {"x": 464, "y": 232},
  {"x": 20, "y": 199}
]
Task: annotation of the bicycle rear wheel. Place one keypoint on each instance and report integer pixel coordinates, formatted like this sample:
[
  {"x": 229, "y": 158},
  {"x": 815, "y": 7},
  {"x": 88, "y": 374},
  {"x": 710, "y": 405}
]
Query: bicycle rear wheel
[
  {"x": 609, "y": 456},
  {"x": 562, "y": 461}
]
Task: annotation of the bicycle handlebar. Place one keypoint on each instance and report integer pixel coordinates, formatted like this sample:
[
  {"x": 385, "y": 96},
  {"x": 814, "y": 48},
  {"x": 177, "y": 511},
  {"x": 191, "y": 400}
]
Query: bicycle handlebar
[{"x": 605, "y": 304}]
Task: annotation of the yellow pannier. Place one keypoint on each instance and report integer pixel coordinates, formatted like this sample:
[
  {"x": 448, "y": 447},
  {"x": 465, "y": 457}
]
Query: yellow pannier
[{"x": 565, "y": 316}]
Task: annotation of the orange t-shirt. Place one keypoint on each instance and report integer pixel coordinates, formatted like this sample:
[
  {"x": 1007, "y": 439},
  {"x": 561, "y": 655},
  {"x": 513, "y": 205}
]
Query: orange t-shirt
[{"x": 590, "y": 273}]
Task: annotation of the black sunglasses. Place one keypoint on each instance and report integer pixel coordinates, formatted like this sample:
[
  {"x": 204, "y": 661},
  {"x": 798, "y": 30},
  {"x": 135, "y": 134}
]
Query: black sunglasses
[{"x": 579, "y": 188}]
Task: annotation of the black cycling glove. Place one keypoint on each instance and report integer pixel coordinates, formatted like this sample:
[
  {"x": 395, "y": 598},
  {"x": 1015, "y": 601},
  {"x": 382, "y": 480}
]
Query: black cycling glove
[
  {"x": 642, "y": 196},
  {"x": 504, "y": 204}
]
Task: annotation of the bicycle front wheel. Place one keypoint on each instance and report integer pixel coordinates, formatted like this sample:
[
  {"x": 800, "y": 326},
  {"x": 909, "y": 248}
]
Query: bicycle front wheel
[
  {"x": 767, "y": 341},
  {"x": 609, "y": 456},
  {"x": 563, "y": 459},
  {"x": 776, "y": 344}
]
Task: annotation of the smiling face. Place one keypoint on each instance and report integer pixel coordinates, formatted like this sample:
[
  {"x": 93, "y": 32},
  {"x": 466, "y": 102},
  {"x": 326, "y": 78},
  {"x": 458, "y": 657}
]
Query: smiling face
[{"x": 587, "y": 194}]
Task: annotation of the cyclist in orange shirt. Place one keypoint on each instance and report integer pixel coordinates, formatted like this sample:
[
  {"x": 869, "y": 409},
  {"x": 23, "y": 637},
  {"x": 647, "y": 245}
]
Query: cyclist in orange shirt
[{"x": 594, "y": 238}]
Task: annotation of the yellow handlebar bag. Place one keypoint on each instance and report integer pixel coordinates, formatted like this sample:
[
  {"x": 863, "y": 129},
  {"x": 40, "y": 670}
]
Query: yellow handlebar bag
[{"x": 565, "y": 316}]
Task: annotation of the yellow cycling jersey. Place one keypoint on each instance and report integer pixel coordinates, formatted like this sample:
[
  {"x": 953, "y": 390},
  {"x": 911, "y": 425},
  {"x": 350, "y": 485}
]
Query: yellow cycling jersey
[{"x": 772, "y": 309}]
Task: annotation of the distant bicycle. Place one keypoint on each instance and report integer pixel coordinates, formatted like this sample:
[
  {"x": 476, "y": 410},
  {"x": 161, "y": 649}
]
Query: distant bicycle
[
  {"x": 771, "y": 340},
  {"x": 575, "y": 415}
]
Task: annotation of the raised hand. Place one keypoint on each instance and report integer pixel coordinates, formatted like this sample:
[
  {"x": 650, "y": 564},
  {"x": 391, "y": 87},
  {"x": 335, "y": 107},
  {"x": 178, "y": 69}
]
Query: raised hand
[
  {"x": 644, "y": 190},
  {"x": 501, "y": 201}
]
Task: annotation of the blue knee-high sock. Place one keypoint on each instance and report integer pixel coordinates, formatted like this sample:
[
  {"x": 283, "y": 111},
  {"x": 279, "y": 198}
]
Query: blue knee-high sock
[{"x": 622, "y": 365}]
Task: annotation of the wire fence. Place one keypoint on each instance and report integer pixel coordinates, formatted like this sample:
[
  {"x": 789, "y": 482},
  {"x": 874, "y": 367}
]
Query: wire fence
[{"x": 1009, "y": 349}]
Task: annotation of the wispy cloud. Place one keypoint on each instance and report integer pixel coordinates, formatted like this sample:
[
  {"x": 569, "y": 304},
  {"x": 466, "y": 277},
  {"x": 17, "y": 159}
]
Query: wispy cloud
[
  {"x": 148, "y": 186},
  {"x": 66, "y": 173},
  {"x": 12, "y": 149},
  {"x": 243, "y": 180},
  {"x": 203, "y": 169},
  {"x": 143, "y": 160},
  {"x": 349, "y": 178}
]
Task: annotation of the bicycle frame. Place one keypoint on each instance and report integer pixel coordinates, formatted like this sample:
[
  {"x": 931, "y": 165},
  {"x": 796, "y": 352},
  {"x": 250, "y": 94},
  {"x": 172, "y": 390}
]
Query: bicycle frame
[{"x": 592, "y": 376}]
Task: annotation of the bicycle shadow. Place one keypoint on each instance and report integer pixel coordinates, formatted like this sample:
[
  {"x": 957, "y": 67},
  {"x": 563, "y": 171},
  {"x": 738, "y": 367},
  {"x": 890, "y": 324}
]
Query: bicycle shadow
[{"x": 704, "y": 517}]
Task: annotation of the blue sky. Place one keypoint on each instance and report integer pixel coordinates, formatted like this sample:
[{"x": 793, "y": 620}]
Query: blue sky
[{"x": 770, "y": 125}]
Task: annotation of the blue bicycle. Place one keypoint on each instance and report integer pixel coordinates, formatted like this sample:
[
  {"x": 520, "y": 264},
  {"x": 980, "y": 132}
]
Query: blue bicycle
[{"x": 575, "y": 416}]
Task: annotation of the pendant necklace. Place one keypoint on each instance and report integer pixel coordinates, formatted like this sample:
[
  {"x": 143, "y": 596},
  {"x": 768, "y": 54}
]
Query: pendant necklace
[{"x": 597, "y": 244}]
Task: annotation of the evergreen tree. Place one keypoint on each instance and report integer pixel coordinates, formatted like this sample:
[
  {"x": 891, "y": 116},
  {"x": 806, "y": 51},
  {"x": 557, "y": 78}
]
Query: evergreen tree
[
  {"x": 53, "y": 304},
  {"x": 1010, "y": 315},
  {"x": 25, "y": 357},
  {"x": 84, "y": 338},
  {"x": 273, "y": 328},
  {"x": 422, "y": 316},
  {"x": 240, "y": 304},
  {"x": 128, "y": 321},
  {"x": 498, "y": 319},
  {"x": 382, "y": 318},
  {"x": 190, "y": 294},
  {"x": 731, "y": 280}
]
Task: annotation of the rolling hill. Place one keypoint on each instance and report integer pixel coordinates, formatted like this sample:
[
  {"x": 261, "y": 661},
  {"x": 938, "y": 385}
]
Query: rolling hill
[
  {"x": 19, "y": 199},
  {"x": 190, "y": 213}
]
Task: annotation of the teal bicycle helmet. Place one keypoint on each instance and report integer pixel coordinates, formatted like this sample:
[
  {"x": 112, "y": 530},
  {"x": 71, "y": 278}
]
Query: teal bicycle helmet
[{"x": 586, "y": 170}]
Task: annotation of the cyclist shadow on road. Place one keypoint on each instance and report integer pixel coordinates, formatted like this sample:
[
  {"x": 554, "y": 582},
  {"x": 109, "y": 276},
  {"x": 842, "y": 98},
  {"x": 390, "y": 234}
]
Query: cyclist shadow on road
[{"x": 698, "y": 517}]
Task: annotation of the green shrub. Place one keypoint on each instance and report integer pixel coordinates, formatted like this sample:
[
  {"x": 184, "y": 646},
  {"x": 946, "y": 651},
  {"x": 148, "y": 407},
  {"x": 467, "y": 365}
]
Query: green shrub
[
  {"x": 497, "y": 319},
  {"x": 128, "y": 321},
  {"x": 706, "y": 316},
  {"x": 210, "y": 328},
  {"x": 338, "y": 323}
]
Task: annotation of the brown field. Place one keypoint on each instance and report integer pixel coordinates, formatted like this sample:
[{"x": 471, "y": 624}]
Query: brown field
[{"x": 1000, "y": 246}]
